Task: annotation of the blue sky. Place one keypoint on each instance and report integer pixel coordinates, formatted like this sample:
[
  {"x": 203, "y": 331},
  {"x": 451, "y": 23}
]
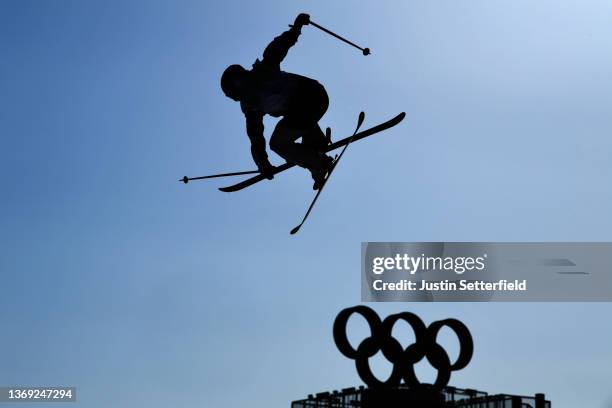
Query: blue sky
[{"x": 142, "y": 291}]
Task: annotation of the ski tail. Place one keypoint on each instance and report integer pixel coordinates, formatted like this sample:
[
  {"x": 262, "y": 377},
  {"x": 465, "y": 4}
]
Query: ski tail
[{"x": 254, "y": 179}]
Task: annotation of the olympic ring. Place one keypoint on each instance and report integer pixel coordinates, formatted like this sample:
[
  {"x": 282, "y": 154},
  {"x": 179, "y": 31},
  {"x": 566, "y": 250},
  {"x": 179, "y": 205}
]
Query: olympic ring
[{"x": 403, "y": 359}]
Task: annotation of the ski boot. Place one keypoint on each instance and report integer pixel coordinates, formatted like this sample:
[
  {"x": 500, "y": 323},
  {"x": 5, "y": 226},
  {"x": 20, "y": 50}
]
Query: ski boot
[{"x": 319, "y": 175}]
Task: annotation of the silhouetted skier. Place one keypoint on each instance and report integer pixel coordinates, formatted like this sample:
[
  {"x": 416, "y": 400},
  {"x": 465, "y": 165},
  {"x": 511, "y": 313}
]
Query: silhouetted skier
[{"x": 301, "y": 102}]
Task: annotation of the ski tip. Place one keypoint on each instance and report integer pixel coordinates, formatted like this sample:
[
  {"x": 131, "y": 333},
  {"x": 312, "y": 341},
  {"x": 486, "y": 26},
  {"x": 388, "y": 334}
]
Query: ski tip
[
  {"x": 401, "y": 116},
  {"x": 296, "y": 229},
  {"x": 361, "y": 118},
  {"x": 226, "y": 189}
]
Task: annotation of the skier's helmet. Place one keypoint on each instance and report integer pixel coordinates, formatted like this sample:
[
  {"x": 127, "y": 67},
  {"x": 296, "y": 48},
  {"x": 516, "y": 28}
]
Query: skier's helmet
[{"x": 230, "y": 81}]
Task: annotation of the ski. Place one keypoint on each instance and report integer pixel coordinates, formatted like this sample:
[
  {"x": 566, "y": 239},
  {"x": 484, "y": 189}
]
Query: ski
[
  {"x": 333, "y": 167},
  {"x": 343, "y": 142}
]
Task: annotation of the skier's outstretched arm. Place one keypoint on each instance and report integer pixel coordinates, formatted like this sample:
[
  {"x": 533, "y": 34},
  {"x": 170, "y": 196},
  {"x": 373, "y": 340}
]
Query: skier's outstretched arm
[
  {"x": 255, "y": 130},
  {"x": 277, "y": 50}
]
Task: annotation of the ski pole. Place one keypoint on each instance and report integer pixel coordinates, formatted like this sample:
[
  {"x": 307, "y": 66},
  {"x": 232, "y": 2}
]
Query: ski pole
[
  {"x": 238, "y": 173},
  {"x": 365, "y": 51}
]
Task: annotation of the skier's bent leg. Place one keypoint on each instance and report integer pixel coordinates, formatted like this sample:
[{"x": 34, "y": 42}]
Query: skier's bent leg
[
  {"x": 283, "y": 143},
  {"x": 315, "y": 138},
  {"x": 306, "y": 116}
]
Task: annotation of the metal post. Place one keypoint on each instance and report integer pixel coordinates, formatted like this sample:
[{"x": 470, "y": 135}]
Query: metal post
[{"x": 540, "y": 401}]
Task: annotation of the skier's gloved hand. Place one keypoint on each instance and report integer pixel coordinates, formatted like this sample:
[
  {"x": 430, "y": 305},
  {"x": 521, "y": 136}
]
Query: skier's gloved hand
[
  {"x": 301, "y": 20},
  {"x": 267, "y": 170}
]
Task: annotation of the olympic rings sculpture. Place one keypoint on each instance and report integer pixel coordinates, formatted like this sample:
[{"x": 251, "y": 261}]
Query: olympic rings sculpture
[{"x": 403, "y": 359}]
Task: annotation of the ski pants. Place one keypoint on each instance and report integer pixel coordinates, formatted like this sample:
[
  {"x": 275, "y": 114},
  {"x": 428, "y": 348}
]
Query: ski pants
[{"x": 302, "y": 121}]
